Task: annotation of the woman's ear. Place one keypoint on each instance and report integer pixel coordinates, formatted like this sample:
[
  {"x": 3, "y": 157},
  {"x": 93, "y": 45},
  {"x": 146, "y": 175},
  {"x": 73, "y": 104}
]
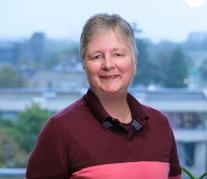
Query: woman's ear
[
  {"x": 135, "y": 66},
  {"x": 83, "y": 65}
]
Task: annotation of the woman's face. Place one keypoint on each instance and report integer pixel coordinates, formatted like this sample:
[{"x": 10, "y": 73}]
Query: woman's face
[{"x": 109, "y": 64}]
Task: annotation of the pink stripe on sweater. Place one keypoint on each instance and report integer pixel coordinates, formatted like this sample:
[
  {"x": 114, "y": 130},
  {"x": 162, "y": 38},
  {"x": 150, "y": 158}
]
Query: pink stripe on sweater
[
  {"x": 132, "y": 170},
  {"x": 176, "y": 177}
]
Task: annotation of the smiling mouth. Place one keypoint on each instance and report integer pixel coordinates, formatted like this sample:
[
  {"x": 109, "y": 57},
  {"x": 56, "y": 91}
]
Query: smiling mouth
[{"x": 109, "y": 77}]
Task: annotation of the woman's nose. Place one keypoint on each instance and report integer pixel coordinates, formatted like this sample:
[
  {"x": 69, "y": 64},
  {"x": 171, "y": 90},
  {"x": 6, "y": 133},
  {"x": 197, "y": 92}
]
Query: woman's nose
[{"x": 108, "y": 64}]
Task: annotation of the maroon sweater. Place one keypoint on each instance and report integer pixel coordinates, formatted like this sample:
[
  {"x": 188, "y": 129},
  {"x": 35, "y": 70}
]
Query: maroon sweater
[{"x": 83, "y": 141}]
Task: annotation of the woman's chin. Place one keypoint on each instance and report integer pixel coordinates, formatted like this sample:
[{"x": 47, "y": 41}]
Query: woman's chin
[{"x": 113, "y": 90}]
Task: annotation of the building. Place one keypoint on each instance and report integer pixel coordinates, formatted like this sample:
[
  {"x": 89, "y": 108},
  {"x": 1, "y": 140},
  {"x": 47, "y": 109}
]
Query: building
[
  {"x": 59, "y": 80},
  {"x": 6, "y": 55},
  {"x": 37, "y": 46},
  {"x": 30, "y": 53}
]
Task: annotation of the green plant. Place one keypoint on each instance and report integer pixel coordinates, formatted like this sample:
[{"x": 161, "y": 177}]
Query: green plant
[{"x": 191, "y": 176}]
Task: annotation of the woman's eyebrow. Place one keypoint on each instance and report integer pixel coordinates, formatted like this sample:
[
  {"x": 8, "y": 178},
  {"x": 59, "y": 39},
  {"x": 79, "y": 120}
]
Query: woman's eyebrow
[
  {"x": 89, "y": 54},
  {"x": 93, "y": 52},
  {"x": 119, "y": 49}
]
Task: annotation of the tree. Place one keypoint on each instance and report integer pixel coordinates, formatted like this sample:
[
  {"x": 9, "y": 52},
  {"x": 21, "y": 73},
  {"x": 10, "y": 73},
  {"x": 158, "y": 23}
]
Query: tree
[
  {"x": 10, "y": 153},
  {"x": 52, "y": 60},
  {"x": 11, "y": 78},
  {"x": 28, "y": 125},
  {"x": 161, "y": 60},
  {"x": 61, "y": 53},
  {"x": 203, "y": 72},
  {"x": 17, "y": 138},
  {"x": 144, "y": 67},
  {"x": 177, "y": 70}
]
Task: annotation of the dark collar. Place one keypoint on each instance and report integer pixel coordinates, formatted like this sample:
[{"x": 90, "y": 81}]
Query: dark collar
[{"x": 137, "y": 110}]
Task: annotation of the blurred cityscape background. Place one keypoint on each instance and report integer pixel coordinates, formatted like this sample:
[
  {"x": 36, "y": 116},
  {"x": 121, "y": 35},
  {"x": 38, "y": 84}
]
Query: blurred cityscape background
[{"x": 40, "y": 75}]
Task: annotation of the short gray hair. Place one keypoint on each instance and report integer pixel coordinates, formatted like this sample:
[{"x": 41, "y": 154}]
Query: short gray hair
[{"x": 101, "y": 23}]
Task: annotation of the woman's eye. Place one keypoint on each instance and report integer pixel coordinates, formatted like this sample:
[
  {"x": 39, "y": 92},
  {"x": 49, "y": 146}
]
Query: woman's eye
[
  {"x": 117, "y": 54},
  {"x": 97, "y": 57}
]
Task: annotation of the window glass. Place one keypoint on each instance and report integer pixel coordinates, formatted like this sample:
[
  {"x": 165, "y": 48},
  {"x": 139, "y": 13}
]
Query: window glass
[{"x": 41, "y": 71}]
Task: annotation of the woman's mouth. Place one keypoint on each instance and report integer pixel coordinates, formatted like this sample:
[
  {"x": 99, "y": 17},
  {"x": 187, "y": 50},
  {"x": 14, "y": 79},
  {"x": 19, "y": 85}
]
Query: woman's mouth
[{"x": 110, "y": 77}]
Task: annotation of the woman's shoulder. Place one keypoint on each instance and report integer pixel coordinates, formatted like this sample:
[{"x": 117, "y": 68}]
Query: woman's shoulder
[
  {"x": 73, "y": 108},
  {"x": 153, "y": 111},
  {"x": 155, "y": 114},
  {"x": 70, "y": 114}
]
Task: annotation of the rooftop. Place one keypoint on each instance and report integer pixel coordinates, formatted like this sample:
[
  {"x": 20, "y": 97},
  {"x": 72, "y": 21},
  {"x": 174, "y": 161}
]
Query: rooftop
[{"x": 166, "y": 100}]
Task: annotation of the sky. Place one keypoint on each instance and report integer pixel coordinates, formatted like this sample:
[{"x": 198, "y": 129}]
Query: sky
[{"x": 159, "y": 20}]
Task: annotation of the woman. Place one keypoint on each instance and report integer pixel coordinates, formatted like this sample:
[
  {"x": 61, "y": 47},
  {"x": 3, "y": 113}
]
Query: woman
[{"x": 107, "y": 134}]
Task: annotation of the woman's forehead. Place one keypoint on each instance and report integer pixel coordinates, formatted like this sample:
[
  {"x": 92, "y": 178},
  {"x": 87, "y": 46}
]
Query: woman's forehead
[{"x": 109, "y": 41}]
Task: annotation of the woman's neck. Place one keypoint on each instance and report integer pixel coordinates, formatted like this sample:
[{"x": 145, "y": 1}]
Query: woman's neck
[{"x": 116, "y": 105}]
